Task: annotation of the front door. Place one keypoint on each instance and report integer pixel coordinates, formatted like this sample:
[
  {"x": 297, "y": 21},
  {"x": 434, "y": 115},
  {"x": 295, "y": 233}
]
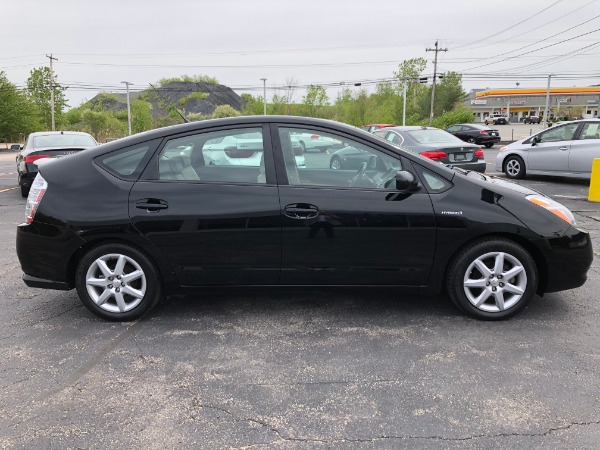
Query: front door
[
  {"x": 209, "y": 202},
  {"x": 347, "y": 225},
  {"x": 551, "y": 154}
]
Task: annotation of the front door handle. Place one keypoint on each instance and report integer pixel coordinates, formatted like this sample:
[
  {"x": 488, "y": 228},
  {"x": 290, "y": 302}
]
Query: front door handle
[
  {"x": 563, "y": 148},
  {"x": 151, "y": 204},
  {"x": 301, "y": 211}
]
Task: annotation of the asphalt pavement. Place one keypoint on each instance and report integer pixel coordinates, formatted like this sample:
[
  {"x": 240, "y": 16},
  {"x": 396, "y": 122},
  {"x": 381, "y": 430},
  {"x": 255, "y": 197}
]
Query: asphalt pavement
[{"x": 301, "y": 369}]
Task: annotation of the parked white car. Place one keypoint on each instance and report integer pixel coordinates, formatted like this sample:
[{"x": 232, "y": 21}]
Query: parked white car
[
  {"x": 311, "y": 141},
  {"x": 565, "y": 150}
]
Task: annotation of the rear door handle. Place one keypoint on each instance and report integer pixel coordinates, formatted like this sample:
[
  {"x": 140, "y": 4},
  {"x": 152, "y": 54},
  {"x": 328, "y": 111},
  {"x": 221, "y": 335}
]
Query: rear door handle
[
  {"x": 563, "y": 148},
  {"x": 301, "y": 211},
  {"x": 151, "y": 204}
]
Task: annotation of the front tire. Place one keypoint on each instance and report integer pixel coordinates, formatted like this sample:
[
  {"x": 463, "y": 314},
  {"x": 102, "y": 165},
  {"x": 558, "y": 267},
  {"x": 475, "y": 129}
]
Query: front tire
[
  {"x": 492, "y": 279},
  {"x": 335, "y": 163},
  {"x": 471, "y": 140},
  {"x": 514, "y": 167},
  {"x": 117, "y": 282}
]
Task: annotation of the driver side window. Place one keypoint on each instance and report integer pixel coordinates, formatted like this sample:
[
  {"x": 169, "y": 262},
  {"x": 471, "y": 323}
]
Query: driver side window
[
  {"x": 560, "y": 133},
  {"x": 315, "y": 158}
]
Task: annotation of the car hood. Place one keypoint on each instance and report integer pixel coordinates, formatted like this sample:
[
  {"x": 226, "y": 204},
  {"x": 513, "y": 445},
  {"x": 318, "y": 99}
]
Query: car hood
[{"x": 500, "y": 185}]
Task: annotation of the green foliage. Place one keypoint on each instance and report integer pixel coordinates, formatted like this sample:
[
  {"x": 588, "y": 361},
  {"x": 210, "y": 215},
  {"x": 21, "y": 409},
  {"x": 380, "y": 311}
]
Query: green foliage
[
  {"x": 254, "y": 105},
  {"x": 18, "y": 115},
  {"x": 193, "y": 96},
  {"x": 189, "y": 79},
  {"x": 102, "y": 125},
  {"x": 315, "y": 101},
  {"x": 224, "y": 111},
  {"x": 460, "y": 114},
  {"x": 39, "y": 89},
  {"x": 141, "y": 116}
]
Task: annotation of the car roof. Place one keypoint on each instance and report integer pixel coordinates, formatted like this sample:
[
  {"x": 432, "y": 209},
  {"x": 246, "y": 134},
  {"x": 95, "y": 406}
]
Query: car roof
[{"x": 51, "y": 133}]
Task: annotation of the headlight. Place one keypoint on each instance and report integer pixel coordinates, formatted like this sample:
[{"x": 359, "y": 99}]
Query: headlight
[{"x": 554, "y": 207}]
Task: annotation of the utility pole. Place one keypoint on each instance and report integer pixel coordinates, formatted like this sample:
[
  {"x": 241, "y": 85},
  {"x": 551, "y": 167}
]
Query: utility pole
[
  {"x": 404, "y": 101},
  {"x": 545, "y": 121},
  {"x": 127, "y": 83},
  {"x": 436, "y": 50},
  {"x": 264, "y": 80},
  {"x": 52, "y": 89}
]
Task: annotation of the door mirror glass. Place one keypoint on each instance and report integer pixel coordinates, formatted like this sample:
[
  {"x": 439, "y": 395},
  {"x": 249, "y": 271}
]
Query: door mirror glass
[
  {"x": 405, "y": 181},
  {"x": 536, "y": 139}
]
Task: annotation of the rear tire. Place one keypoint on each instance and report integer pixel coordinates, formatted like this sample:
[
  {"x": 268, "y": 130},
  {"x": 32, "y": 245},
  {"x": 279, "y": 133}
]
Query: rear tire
[
  {"x": 471, "y": 140},
  {"x": 24, "y": 191},
  {"x": 489, "y": 145},
  {"x": 117, "y": 282},
  {"x": 514, "y": 167},
  {"x": 492, "y": 279}
]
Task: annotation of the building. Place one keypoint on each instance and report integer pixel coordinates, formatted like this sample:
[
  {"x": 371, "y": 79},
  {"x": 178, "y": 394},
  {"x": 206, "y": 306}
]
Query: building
[{"x": 519, "y": 103}]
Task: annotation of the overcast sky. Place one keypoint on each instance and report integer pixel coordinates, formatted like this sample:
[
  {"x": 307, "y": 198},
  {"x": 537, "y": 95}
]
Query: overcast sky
[{"x": 101, "y": 43}]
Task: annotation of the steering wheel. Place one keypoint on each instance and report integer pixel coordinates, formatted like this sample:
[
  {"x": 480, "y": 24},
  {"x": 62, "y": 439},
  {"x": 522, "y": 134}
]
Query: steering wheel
[{"x": 361, "y": 172}]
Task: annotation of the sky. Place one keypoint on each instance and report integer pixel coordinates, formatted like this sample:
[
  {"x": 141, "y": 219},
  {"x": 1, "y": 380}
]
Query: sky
[{"x": 98, "y": 44}]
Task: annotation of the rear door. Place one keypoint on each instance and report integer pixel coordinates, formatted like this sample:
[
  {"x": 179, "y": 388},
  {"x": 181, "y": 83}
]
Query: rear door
[
  {"x": 216, "y": 224},
  {"x": 350, "y": 226},
  {"x": 551, "y": 154},
  {"x": 585, "y": 149}
]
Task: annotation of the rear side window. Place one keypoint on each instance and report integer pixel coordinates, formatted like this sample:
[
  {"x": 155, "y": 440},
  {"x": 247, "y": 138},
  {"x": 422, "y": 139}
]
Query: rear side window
[{"x": 127, "y": 163}]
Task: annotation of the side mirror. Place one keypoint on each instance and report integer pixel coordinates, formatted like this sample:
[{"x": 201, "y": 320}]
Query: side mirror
[
  {"x": 536, "y": 140},
  {"x": 405, "y": 181},
  {"x": 16, "y": 147}
]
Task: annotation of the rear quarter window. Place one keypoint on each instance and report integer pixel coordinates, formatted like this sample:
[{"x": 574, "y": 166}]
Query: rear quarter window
[{"x": 127, "y": 163}]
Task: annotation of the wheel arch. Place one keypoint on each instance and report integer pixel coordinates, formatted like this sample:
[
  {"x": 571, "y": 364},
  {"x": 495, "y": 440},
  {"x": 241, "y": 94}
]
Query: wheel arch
[
  {"x": 516, "y": 155},
  {"x": 92, "y": 244},
  {"x": 540, "y": 262}
]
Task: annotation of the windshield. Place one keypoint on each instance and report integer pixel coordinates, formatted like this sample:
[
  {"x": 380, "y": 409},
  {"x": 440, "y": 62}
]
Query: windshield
[
  {"x": 433, "y": 137},
  {"x": 63, "y": 140}
]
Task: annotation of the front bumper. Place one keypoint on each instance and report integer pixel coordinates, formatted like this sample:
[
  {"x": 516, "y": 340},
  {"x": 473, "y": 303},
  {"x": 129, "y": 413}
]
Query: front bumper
[{"x": 568, "y": 259}]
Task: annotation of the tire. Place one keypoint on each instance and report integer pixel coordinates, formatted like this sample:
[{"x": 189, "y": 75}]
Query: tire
[
  {"x": 471, "y": 140},
  {"x": 100, "y": 294},
  {"x": 24, "y": 190},
  {"x": 489, "y": 145},
  {"x": 335, "y": 163},
  {"x": 514, "y": 167},
  {"x": 492, "y": 279},
  {"x": 486, "y": 122}
]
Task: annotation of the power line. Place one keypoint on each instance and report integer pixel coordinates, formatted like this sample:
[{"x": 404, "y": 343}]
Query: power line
[{"x": 512, "y": 26}]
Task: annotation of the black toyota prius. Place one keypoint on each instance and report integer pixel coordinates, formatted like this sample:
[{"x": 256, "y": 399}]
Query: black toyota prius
[{"x": 178, "y": 209}]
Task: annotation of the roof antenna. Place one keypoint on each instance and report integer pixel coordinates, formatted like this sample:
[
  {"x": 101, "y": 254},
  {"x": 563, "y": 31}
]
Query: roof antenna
[{"x": 171, "y": 104}]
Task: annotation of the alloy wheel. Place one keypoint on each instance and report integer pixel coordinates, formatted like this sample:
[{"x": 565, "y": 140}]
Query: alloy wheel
[
  {"x": 116, "y": 283},
  {"x": 495, "y": 282}
]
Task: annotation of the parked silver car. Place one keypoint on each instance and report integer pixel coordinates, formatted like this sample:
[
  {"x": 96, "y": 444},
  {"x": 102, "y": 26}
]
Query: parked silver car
[{"x": 565, "y": 150}]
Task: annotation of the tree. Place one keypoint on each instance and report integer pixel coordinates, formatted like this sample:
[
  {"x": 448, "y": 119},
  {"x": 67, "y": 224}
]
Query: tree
[
  {"x": 141, "y": 116},
  {"x": 18, "y": 115},
  {"x": 102, "y": 125},
  {"x": 39, "y": 88},
  {"x": 315, "y": 100}
]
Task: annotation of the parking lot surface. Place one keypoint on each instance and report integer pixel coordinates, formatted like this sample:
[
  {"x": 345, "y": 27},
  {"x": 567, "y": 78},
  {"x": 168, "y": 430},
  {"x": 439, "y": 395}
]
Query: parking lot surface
[{"x": 290, "y": 368}]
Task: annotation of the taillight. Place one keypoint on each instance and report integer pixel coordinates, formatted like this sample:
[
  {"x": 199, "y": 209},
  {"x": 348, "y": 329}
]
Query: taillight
[
  {"x": 434, "y": 155},
  {"x": 315, "y": 136},
  {"x": 32, "y": 158},
  {"x": 483, "y": 132},
  {"x": 36, "y": 192},
  {"x": 479, "y": 153}
]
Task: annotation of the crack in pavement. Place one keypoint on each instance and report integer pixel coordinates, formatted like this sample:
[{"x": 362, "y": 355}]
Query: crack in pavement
[
  {"x": 587, "y": 217},
  {"x": 196, "y": 403},
  {"x": 29, "y": 324}
]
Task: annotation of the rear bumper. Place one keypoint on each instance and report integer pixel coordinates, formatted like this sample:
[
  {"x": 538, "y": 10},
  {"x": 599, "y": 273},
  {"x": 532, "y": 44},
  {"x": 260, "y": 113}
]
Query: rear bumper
[
  {"x": 36, "y": 282},
  {"x": 476, "y": 166},
  {"x": 488, "y": 139},
  {"x": 46, "y": 253},
  {"x": 26, "y": 178}
]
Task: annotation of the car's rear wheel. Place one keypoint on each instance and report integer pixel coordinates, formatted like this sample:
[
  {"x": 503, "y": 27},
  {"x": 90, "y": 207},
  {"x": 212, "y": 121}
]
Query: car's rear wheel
[
  {"x": 492, "y": 279},
  {"x": 117, "y": 282},
  {"x": 514, "y": 167},
  {"x": 489, "y": 145},
  {"x": 24, "y": 190}
]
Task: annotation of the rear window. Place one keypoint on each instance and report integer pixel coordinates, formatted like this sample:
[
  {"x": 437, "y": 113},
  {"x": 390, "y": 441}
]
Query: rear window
[
  {"x": 127, "y": 163},
  {"x": 432, "y": 137},
  {"x": 64, "y": 140}
]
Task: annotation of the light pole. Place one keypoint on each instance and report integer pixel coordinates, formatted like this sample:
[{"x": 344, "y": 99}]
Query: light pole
[
  {"x": 127, "y": 83},
  {"x": 264, "y": 80},
  {"x": 545, "y": 121}
]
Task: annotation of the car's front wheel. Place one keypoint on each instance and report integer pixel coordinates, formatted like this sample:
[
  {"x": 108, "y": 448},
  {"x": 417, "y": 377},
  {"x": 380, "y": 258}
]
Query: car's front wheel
[
  {"x": 117, "y": 282},
  {"x": 471, "y": 140},
  {"x": 335, "y": 163},
  {"x": 514, "y": 167},
  {"x": 492, "y": 279}
]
